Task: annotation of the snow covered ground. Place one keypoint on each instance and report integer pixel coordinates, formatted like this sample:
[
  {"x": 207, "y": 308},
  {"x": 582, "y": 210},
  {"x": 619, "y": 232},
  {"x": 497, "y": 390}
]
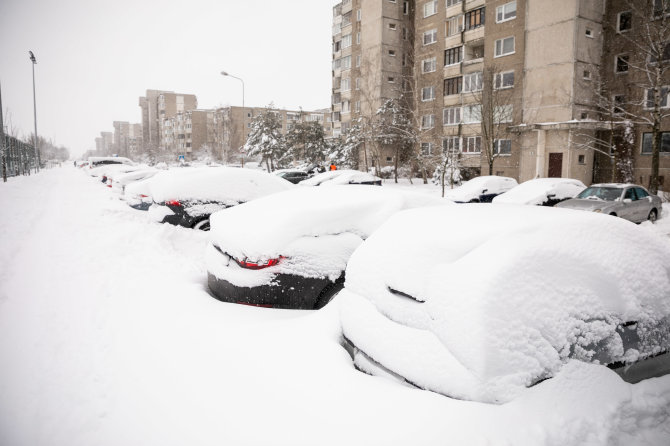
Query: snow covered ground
[{"x": 108, "y": 336}]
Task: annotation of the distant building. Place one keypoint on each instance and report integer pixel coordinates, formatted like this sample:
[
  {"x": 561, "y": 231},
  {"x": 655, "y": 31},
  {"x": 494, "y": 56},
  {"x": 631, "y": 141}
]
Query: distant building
[{"x": 158, "y": 106}]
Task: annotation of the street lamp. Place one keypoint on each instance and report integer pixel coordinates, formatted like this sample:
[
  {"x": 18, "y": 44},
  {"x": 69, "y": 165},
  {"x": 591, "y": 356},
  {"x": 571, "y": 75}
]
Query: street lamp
[
  {"x": 37, "y": 159},
  {"x": 244, "y": 112}
]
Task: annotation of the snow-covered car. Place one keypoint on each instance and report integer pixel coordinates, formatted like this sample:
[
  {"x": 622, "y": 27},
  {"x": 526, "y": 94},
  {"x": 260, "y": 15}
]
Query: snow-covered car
[
  {"x": 138, "y": 195},
  {"x": 484, "y": 301},
  {"x": 293, "y": 175},
  {"x": 627, "y": 201},
  {"x": 290, "y": 250},
  {"x": 481, "y": 189},
  {"x": 344, "y": 176},
  {"x": 119, "y": 182},
  {"x": 95, "y": 162},
  {"x": 188, "y": 196},
  {"x": 542, "y": 192},
  {"x": 104, "y": 170}
]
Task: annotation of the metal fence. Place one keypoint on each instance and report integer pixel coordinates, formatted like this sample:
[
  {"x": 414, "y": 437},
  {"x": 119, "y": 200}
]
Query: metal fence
[{"x": 19, "y": 157}]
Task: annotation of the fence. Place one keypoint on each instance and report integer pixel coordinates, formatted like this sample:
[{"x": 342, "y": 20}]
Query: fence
[{"x": 19, "y": 157}]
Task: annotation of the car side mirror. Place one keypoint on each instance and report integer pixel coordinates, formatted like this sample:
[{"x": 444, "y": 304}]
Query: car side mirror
[
  {"x": 484, "y": 191},
  {"x": 627, "y": 200}
]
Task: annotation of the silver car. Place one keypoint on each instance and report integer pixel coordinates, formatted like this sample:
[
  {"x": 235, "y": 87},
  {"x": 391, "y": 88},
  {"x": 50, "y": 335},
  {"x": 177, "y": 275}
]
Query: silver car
[{"x": 627, "y": 201}]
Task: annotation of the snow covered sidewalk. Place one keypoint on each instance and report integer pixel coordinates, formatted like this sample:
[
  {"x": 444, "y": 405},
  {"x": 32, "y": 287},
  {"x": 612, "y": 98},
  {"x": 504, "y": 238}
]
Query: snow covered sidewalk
[{"x": 108, "y": 336}]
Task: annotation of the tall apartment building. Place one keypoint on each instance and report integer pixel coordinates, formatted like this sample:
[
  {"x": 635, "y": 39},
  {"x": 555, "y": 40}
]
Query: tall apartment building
[
  {"x": 541, "y": 58},
  {"x": 127, "y": 138},
  {"x": 157, "y": 106}
]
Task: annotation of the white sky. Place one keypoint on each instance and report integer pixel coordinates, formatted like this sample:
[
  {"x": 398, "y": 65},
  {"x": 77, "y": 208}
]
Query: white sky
[{"x": 96, "y": 58}]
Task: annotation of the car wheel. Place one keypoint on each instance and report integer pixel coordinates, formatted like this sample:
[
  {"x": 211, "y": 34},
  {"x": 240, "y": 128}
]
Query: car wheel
[
  {"x": 653, "y": 215},
  {"x": 202, "y": 225},
  {"x": 328, "y": 293}
]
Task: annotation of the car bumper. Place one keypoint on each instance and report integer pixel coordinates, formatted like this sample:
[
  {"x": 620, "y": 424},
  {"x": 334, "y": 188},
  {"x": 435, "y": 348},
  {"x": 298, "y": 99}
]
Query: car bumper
[{"x": 285, "y": 291}]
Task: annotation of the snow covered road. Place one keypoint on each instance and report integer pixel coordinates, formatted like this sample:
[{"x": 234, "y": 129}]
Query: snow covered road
[{"x": 108, "y": 336}]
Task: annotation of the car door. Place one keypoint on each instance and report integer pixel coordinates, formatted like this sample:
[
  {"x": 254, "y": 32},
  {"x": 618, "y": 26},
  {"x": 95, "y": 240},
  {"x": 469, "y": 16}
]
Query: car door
[
  {"x": 644, "y": 203},
  {"x": 627, "y": 209}
]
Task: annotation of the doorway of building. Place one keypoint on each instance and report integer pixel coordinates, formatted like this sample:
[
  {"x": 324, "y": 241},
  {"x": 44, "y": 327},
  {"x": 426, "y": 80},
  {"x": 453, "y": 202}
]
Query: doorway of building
[{"x": 555, "y": 165}]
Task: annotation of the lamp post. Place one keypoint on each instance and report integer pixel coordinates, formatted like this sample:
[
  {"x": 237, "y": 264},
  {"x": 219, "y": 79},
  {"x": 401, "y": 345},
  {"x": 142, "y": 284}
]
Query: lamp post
[
  {"x": 37, "y": 159},
  {"x": 244, "y": 112}
]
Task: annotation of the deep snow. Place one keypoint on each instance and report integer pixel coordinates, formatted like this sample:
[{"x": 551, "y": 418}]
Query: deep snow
[{"x": 109, "y": 337}]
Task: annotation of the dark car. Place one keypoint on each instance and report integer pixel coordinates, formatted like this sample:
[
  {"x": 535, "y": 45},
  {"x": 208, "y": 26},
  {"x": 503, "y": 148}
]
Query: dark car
[
  {"x": 188, "y": 196},
  {"x": 289, "y": 250},
  {"x": 481, "y": 189},
  {"x": 294, "y": 176},
  {"x": 344, "y": 176}
]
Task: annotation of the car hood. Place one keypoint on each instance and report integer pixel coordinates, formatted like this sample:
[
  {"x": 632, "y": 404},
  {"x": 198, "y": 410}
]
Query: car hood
[{"x": 585, "y": 204}]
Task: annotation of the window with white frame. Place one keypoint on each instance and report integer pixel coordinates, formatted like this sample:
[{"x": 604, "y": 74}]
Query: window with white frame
[
  {"x": 430, "y": 37},
  {"x": 503, "y": 113},
  {"x": 391, "y": 53},
  {"x": 346, "y": 106},
  {"x": 472, "y": 113},
  {"x": 393, "y": 26},
  {"x": 453, "y": 2},
  {"x": 451, "y": 116},
  {"x": 649, "y": 97},
  {"x": 504, "y": 79},
  {"x": 429, "y": 65},
  {"x": 357, "y": 106},
  {"x": 358, "y": 15},
  {"x": 405, "y": 8},
  {"x": 346, "y": 62},
  {"x": 502, "y": 147},
  {"x": 426, "y": 148},
  {"x": 427, "y": 121},
  {"x": 472, "y": 144},
  {"x": 621, "y": 63},
  {"x": 618, "y": 102},
  {"x": 345, "y": 84},
  {"x": 428, "y": 93},
  {"x": 506, "y": 12},
  {"x": 454, "y": 25},
  {"x": 505, "y": 46},
  {"x": 451, "y": 144},
  {"x": 358, "y": 83},
  {"x": 358, "y": 38},
  {"x": 430, "y": 8},
  {"x": 472, "y": 82},
  {"x": 624, "y": 21},
  {"x": 647, "y": 143},
  {"x": 346, "y": 41},
  {"x": 358, "y": 61}
]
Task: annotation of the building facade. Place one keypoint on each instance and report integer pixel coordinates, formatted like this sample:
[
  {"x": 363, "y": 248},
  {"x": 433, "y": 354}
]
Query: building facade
[
  {"x": 521, "y": 77},
  {"x": 157, "y": 107}
]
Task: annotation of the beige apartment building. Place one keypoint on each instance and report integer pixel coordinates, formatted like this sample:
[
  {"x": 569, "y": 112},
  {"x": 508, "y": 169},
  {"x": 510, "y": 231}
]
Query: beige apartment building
[
  {"x": 158, "y": 106},
  {"x": 541, "y": 59},
  {"x": 127, "y": 138}
]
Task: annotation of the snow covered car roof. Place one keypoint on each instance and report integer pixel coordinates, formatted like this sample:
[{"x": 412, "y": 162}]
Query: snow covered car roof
[
  {"x": 225, "y": 185},
  {"x": 136, "y": 175},
  {"x": 475, "y": 187},
  {"x": 486, "y": 300},
  {"x": 335, "y": 177},
  {"x": 301, "y": 222},
  {"x": 537, "y": 191},
  {"x": 112, "y": 169},
  {"x": 97, "y": 160}
]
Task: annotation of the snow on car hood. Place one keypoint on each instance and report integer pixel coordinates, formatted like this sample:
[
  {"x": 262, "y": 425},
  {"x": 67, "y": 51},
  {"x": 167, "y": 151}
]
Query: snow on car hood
[
  {"x": 222, "y": 184},
  {"x": 535, "y": 192},
  {"x": 484, "y": 300},
  {"x": 476, "y": 186},
  {"x": 336, "y": 177},
  {"x": 314, "y": 229}
]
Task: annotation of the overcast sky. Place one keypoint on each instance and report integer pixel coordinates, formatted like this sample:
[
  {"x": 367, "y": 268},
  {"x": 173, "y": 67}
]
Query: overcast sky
[{"x": 96, "y": 58}]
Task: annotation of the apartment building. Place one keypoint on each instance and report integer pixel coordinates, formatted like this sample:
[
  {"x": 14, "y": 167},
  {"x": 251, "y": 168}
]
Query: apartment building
[
  {"x": 127, "y": 138},
  {"x": 531, "y": 67},
  {"x": 158, "y": 106}
]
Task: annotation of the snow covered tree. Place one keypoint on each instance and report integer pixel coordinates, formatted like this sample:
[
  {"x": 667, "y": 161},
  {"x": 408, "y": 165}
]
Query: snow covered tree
[
  {"x": 393, "y": 127},
  {"x": 344, "y": 151},
  {"x": 266, "y": 139},
  {"x": 305, "y": 141}
]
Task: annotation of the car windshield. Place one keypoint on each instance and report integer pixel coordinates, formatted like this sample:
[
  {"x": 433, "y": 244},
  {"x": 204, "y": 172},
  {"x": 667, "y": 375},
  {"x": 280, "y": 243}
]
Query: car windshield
[{"x": 600, "y": 193}]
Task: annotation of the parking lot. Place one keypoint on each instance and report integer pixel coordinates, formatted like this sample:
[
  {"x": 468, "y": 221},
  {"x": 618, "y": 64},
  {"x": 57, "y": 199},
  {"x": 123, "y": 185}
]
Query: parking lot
[{"x": 109, "y": 336}]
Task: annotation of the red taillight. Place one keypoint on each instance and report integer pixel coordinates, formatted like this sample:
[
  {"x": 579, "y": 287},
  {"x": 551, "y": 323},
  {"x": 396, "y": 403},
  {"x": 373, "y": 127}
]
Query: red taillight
[
  {"x": 246, "y": 263},
  {"x": 144, "y": 196},
  {"x": 173, "y": 203},
  {"x": 255, "y": 305}
]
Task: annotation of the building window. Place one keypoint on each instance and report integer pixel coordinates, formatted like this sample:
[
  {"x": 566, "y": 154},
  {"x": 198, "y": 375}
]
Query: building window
[
  {"x": 646, "y": 143},
  {"x": 358, "y": 83},
  {"x": 451, "y": 144},
  {"x": 472, "y": 144},
  {"x": 453, "y": 56},
  {"x": 454, "y": 25},
  {"x": 346, "y": 107},
  {"x": 503, "y": 113},
  {"x": 649, "y": 95},
  {"x": 581, "y": 159},
  {"x": 504, "y": 46},
  {"x": 430, "y": 37},
  {"x": 451, "y": 116},
  {"x": 453, "y": 85},
  {"x": 405, "y": 8},
  {"x": 506, "y": 12},
  {"x": 624, "y": 21},
  {"x": 587, "y": 75},
  {"x": 346, "y": 41},
  {"x": 357, "y": 106},
  {"x": 358, "y": 15},
  {"x": 621, "y": 63},
  {"x": 426, "y": 148},
  {"x": 472, "y": 113},
  {"x": 502, "y": 147},
  {"x": 393, "y": 26},
  {"x": 429, "y": 65},
  {"x": 504, "y": 80},
  {"x": 358, "y": 61},
  {"x": 430, "y": 8},
  {"x": 345, "y": 84},
  {"x": 427, "y": 121},
  {"x": 346, "y": 62},
  {"x": 358, "y": 38},
  {"x": 472, "y": 82},
  {"x": 660, "y": 7},
  {"x": 475, "y": 18},
  {"x": 428, "y": 93},
  {"x": 453, "y": 2},
  {"x": 588, "y": 33},
  {"x": 665, "y": 54},
  {"x": 390, "y": 80},
  {"x": 392, "y": 53},
  {"x": 618, "y": 101}
]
